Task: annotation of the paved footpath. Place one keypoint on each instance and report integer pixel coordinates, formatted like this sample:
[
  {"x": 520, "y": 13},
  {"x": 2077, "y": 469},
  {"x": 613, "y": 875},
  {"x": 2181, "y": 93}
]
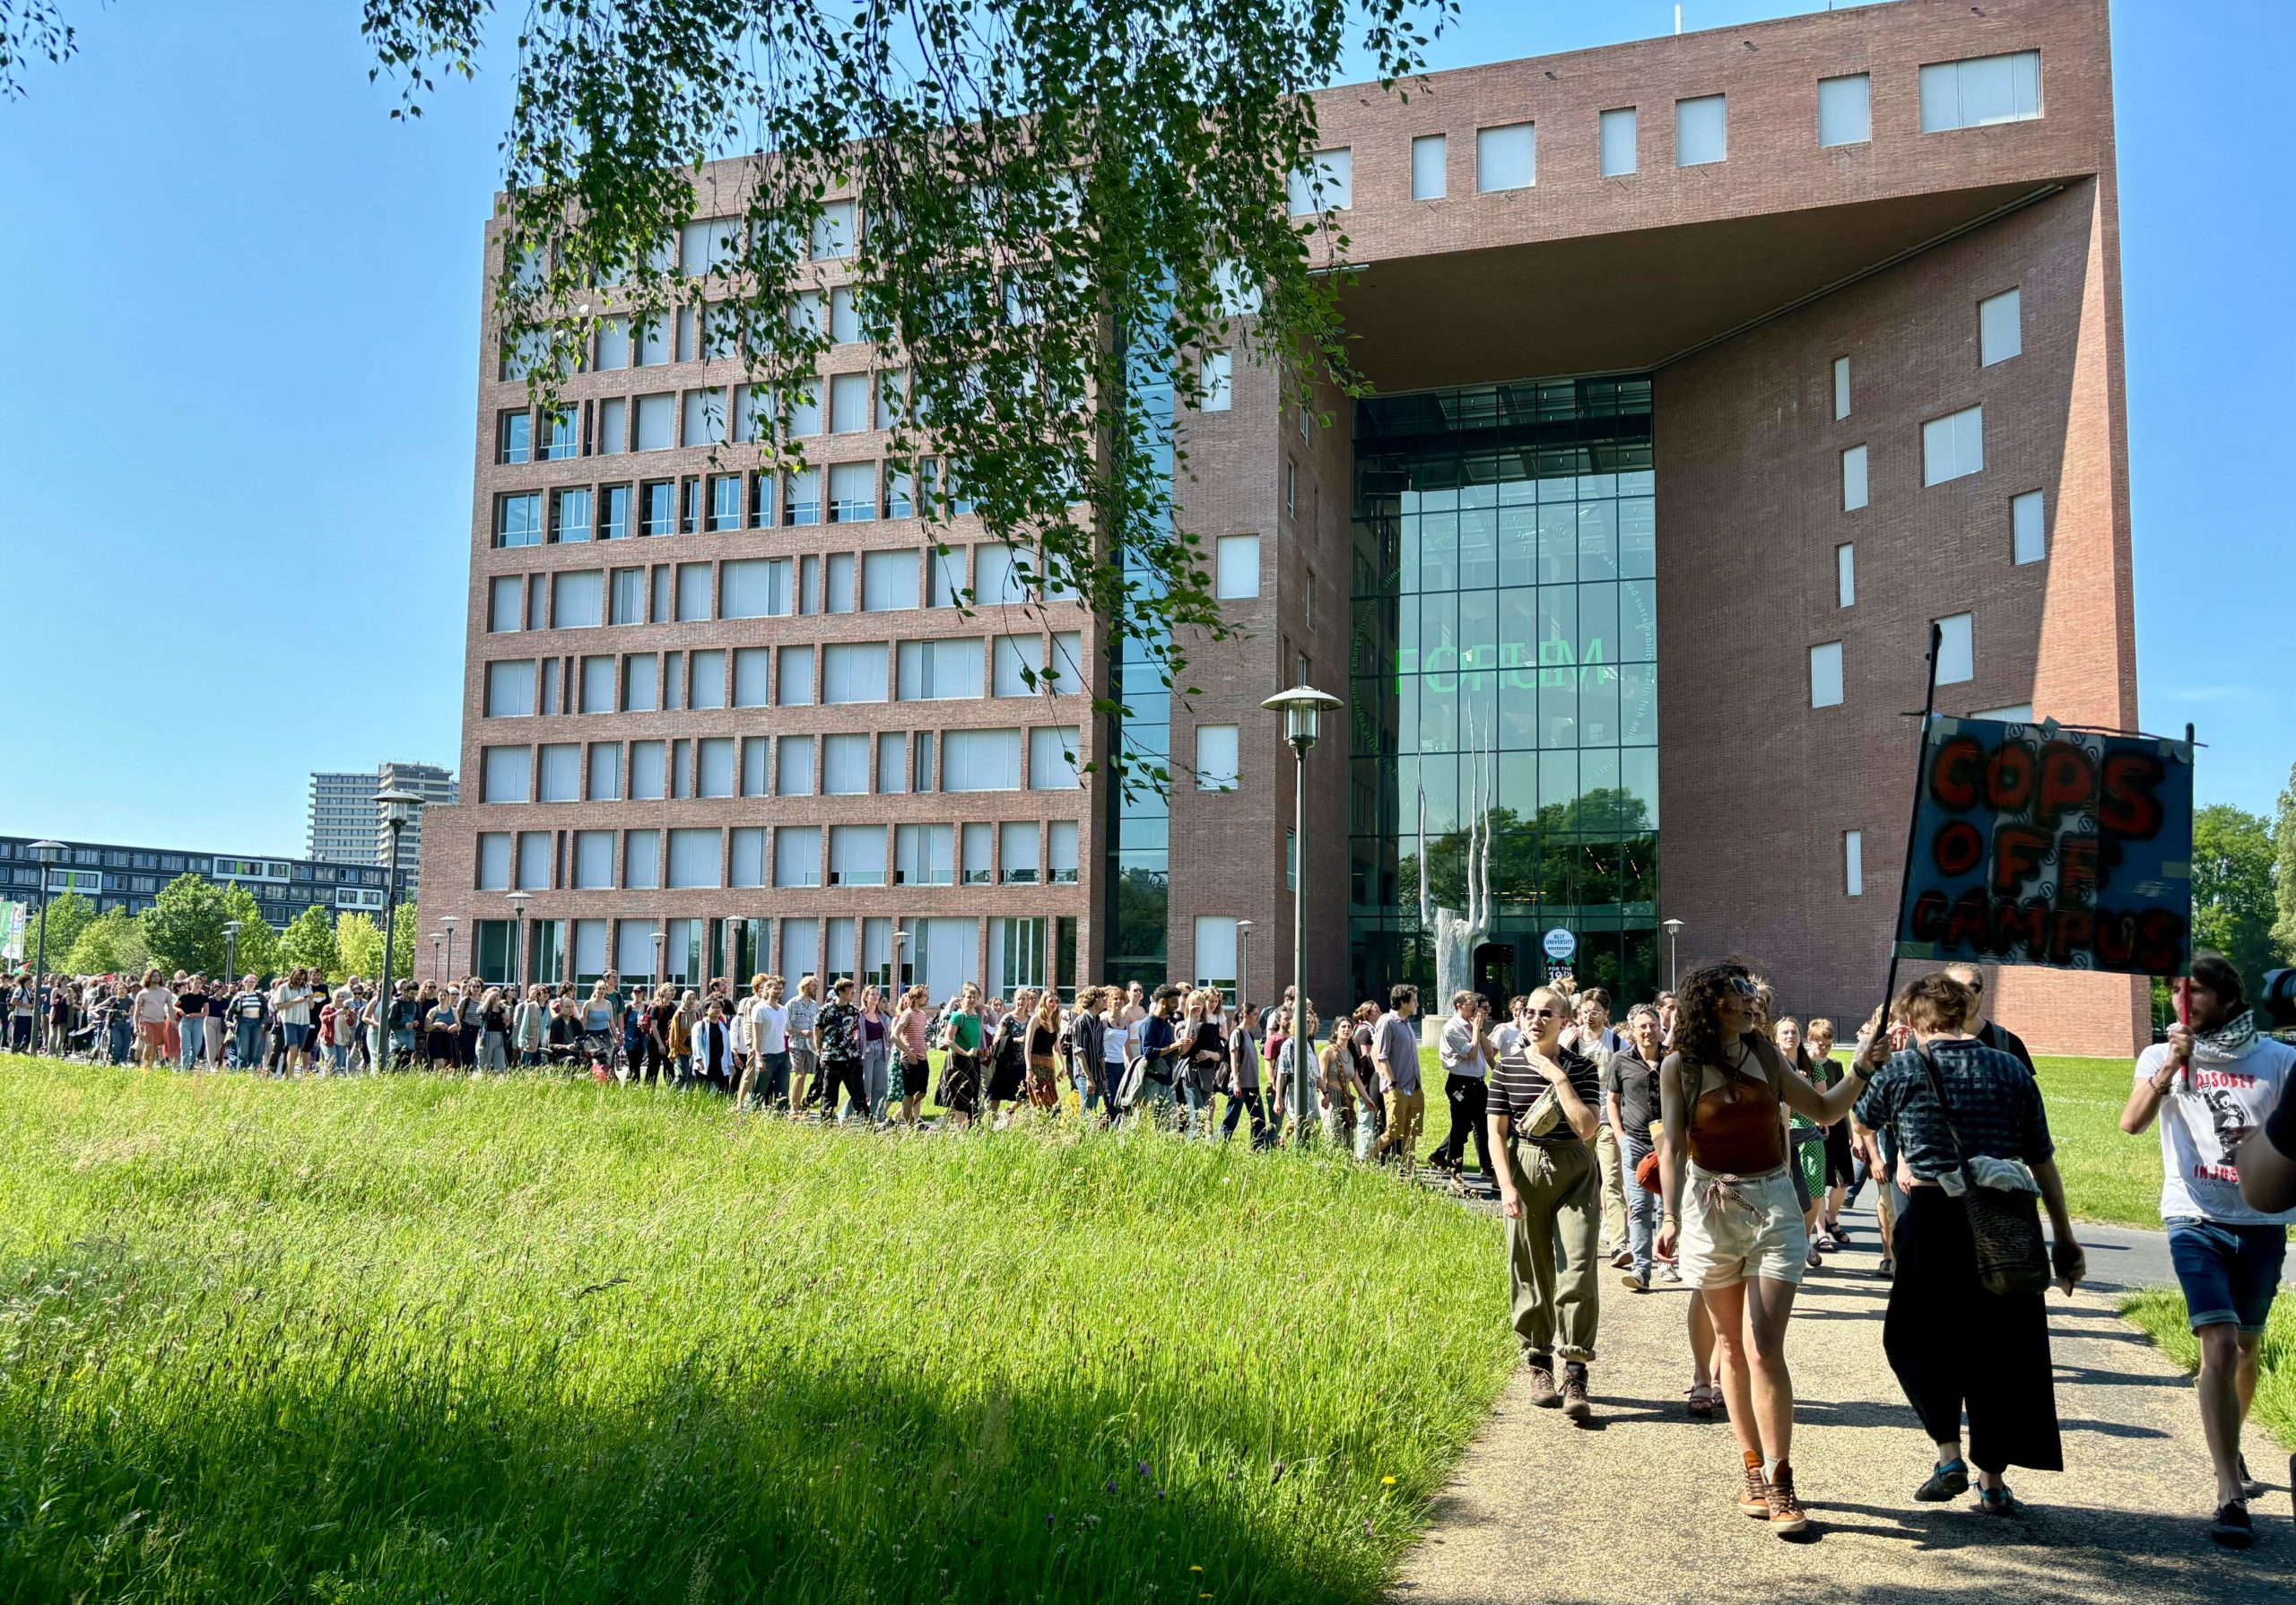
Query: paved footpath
[{"x": 1639, "y": 1507}]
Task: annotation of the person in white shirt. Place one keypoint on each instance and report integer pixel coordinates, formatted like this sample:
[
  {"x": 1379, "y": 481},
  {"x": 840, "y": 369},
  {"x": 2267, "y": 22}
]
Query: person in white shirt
[
  {"x": 2209, "y": 1085},
  {"x": 768, "y": 1033},
  {"x": 1464, "y": 1046},
  {"x": 291, "y": 1007}
]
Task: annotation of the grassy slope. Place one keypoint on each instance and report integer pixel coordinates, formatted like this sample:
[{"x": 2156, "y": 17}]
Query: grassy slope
[
  {"x": 422, "y": 1338},
  {"x": 2161, "y": 1312},
  {"x": 2108, "y": 1176}
]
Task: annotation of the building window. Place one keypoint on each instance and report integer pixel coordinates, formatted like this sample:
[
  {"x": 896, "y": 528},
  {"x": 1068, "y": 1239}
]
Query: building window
[
  {"x": 1840, "y": 387},
  {"x": 1430, "y": 167},
  {"x": 793, "y": 774},
  {"x": 801, "y": 499},
  {"x": 518, "y": 520},
  {"x": 1506, "y": 157},
  {"x": 937, "y": 671},
  {"x": 1617, "y": 130},
  {"x": 692, "y": 593},
  {"x": 1016, "y": 853},
  {"x": 707, "y": 244},
  {"x": 494, "y": 861},
  {"x": 641, "y": 684},
  {"x": 2015, "y": 713},
  {"x": 1853, "y": 863},
  {"x": 1953, "y": 447},
  {"x": 857, "y": 855},
  {"x": 1701, "y": 131},
  {"x": 2000, "y": 335},
  {"x": 504, "y": 773},
  {"x": 1216, "y": 757},
  {"x": 854, "y": 671},
  {"x": 924, "y": 855},
  {"x": 796, "y": 677},
  {"x": 1956, "y": 649},
  {"x": 560, "y": 774},
  {"x": 1291, "y": 489},
  {"x": 849, "y": 403},
  {"x": 1853, "y": 479},
  {"x": 693, "y": 858},
  {"x": 2028, "y": 532},
  {"x": 613, "y": 342},
  {"x": 1334, "y": 171},
  {"x": 657, "y": 423},
  {"x": 510, "y": 688},
  {"x": 613, "y": 426},
  {"x": 646, "y": 761},
  {"x": 852, "y": 495},
  {"x": 833, "y": 231},
  {"x": 1825, "y": 675},
  {"x": 889, "y": 580},
  {"x": 1981, "y": 89},
  {"x": 1010, "y": 659},
  {"x": 1236, "y": 576},
  {"x": 1060, "y": 853},
  {"x": 593, "y": 860},
  {"x": 1845, "y": 110},
  {"x": 1845, "y": 574},
  {"x": 505, "y": 604},
  {"x": 981, "y": 761},
  {"x": 713, "y": 766},
  {"x": 658, "y": 508},
  {"x": 1217, "y": 382},
  {"x": 1052, "y": 760},
  {"x": 605, "y": 772},
  {"x": 514, "y": 437},
  {"x": 844, "y": 317}
]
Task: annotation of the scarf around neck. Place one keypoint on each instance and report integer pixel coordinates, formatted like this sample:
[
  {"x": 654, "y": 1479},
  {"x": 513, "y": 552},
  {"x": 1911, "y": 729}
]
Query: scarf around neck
[{"x": 2229, "y": 1042}]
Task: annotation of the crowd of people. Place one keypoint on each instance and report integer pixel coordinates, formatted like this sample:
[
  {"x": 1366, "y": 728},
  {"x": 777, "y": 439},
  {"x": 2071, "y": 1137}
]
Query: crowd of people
[{"x": 1713, "y": 1142}]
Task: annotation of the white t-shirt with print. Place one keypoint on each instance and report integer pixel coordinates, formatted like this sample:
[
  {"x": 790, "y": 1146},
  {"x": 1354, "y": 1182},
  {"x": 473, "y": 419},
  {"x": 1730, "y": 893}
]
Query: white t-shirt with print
[{"x": 2203, "y": 1122}]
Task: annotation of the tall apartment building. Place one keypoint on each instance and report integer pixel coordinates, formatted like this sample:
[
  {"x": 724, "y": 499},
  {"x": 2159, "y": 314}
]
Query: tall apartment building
[
  {"x": 346, "y": 824},
  {"x": 1751, "y": 353}
]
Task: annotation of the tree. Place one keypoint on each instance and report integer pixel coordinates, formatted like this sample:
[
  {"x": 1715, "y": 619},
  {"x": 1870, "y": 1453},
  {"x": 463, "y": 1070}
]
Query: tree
[
  {"x": 184, "y": 926},
  {"x": 2283, "y": 868},
  {"x": 67, "y": 914},
  {"x": 403, "y": 943},
  {"x": 110, "y": 944},
  {"x": 358, "y": 947},
  {"x": 1061, "y": 210},
  {"x": 308, "y": 943},
  {"x": 2232, "y": 906},
  {"x": 254, "y": 951}
]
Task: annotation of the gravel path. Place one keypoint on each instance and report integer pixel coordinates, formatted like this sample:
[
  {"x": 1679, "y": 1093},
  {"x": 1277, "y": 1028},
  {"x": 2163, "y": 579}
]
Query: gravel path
[{"x": 1638, "y": 1508}]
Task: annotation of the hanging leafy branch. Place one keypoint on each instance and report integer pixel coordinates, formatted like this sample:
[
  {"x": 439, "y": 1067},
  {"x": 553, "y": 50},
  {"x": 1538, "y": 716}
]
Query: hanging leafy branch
[
  {"x": 1046, "y": 213},
  {"x": 30, "y": 27}
]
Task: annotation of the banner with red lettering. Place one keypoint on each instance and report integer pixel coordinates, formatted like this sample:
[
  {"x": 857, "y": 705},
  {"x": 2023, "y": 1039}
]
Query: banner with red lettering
[{"x": 2038, "y": 844}]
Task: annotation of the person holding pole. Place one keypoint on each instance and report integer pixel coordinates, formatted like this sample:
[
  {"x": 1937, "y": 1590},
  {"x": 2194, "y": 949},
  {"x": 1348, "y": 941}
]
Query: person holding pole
[{"x": 2209, "y": 1085}]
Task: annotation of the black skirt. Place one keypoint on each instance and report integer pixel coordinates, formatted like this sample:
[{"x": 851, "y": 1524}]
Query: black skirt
[
  {"x": 1956, "y": 1346},
  {"x": 961, "y": 1084}
]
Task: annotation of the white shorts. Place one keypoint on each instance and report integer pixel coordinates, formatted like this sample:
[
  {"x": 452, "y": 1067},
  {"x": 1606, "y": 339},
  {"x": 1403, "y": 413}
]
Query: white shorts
[{"x": 1737, "y": 1227}]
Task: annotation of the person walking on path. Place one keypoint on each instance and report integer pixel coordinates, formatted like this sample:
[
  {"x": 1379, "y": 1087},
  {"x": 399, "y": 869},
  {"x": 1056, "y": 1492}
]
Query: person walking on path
[
  {"x": 1243, "y": 1083},
  {"x": 1629, "y": 1108},
  {"x": 1542, "y": 1115},
  {"x": 154, "y": 1006},
  {"x": 1963, "y": 1115},
  {"x": 1394, "y": 1050},
  {"x": 191, "y": 1022},
  {"x": 837, "y": 1027},
  {"x": 1731, "y": 1207},
  {"x": 2213, "y": 1083},
  {"x": 961, "y": 1039},
  {"x": 911, "y": 1066},
  {"x": 1464, "y": 1046},
  {"x": 804, "y": 1046},
  {"x": 876, "y": 1051}
]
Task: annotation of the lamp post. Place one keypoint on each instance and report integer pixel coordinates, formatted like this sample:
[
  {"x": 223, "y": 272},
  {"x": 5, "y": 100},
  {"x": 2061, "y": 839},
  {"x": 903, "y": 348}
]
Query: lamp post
[
  {"x": 1302, "y": 707},
  {"x": 399, "y": 806},
  {"x": 661, "y": 941},
  {"x": 438, "y": 968},
  {"x": 446, "y": 923},
  {"x": 517, "y": 901},
  {"x": 231, "y": 953},
  {"x": 901, "y": 940},
  {"x": 1673, "y": 928},
  {"x": 45, "y": 851},
  {"x": 1243, "y": 960}
]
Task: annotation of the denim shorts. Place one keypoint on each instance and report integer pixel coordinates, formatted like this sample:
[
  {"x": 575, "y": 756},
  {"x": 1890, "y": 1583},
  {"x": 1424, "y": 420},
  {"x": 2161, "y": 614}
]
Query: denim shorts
[{"x": 2230, "y": 1273}]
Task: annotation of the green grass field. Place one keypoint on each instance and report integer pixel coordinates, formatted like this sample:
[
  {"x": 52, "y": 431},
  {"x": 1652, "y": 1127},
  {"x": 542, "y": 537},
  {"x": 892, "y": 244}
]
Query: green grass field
[
  {"x": 2108, "y": 1176},
  {"x": 427, "y": 1338}
]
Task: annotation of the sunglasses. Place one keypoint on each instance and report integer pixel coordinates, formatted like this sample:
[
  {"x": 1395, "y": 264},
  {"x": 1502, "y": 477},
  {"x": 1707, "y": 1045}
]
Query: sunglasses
[
  {"x": 1542, "y": 1013},
  {"x": 1743, "y": 987}
]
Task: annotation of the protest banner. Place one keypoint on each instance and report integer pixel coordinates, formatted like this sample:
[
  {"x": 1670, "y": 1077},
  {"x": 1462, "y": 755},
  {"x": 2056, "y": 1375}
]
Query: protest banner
[{"x": 2034, "y": 844}]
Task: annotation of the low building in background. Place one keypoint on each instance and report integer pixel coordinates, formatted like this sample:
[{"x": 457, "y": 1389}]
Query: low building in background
[{"x": 128, "y": 878}]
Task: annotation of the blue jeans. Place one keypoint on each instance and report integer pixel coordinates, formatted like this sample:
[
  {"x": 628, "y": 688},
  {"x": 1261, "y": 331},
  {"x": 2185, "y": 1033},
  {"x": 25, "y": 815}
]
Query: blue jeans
[
  {"x": 193, "y": 1034},
  {"x": 246, "y": 1043},
  {"x": 2230, "y": 1273},
  {"x": 1641, "y": 1208}
]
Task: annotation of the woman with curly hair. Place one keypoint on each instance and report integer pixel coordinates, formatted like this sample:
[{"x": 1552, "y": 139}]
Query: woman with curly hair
[{"x": 1731, "y": 1205}]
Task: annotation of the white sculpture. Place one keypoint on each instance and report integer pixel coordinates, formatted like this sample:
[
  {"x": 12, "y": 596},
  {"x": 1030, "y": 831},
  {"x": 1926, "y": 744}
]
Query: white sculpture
[{"x": 1456, "y": 935}]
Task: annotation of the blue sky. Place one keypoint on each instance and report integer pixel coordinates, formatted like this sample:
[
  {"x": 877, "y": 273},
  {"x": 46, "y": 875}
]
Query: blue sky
[{"x": 235, "y": 406}]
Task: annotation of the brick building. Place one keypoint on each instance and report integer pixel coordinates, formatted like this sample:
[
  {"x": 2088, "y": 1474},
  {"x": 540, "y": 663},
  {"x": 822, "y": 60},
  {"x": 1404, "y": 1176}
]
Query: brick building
[{"x": 1746, "y": 353}]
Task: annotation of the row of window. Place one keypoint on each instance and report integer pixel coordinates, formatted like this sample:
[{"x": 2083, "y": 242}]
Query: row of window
[
  {"x": 1954, "y": 94},
  {"x": 708, "y": 678},
  {"x": 1013, "y": 852},
  {"x": 850, "y": 492},
  {"x": 887, "y": 762},
  {"x": 177, "y": 863},
  {"x": 707, "y": 244}
]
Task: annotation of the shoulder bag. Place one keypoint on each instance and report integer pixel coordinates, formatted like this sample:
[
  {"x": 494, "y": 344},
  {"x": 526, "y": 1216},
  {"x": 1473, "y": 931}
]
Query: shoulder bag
[{"x": 2004, "y": 1224}]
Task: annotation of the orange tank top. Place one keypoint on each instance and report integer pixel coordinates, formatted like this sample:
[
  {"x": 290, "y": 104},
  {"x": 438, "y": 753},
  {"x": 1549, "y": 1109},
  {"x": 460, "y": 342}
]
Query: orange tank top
[{"x": 1734, "y": 1128}]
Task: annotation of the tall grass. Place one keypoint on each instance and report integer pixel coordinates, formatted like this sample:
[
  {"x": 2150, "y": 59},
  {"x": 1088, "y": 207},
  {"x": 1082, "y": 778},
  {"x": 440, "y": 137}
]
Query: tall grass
[{"x": 413, "y": 1339}]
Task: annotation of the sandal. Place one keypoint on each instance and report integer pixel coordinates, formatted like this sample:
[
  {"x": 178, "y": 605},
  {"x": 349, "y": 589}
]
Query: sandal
[
  {"x": 1700, "y": 1398},
  {"x": 1887, "y": 1268},
  {"x": 1949, "y": 1479},
  {"x": 1812, "y": 1260}
]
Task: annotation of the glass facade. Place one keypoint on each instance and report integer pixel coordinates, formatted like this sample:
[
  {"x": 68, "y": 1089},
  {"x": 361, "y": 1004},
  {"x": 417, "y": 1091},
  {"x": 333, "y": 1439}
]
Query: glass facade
[
  {"x": 1504, "y": 681},
  {"x": 1138, "y": 898}
]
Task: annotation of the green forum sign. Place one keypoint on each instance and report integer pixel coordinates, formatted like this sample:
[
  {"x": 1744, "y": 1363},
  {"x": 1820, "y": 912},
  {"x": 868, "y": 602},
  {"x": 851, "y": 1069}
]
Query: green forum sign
[{"x": 1449, "y": 669}]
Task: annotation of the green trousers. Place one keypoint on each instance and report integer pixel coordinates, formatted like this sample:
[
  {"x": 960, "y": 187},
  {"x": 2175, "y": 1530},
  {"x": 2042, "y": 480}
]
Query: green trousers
[{"x": 1551, "y": 1267}]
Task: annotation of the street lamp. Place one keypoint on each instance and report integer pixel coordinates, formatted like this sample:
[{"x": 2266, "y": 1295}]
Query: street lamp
[
  {"x": 661, "y": 939},
  {"x": 1243, "y": 960},
  {"x": 517, "y": 901},
  {"x": 231, "y": 953},
  {"x": 901, "y": 982},
  {"x": 437, "y": 969},
  {"x": 46, "y": 851},
  {"x": 1302, "y": 707},
  {"x": 446, "y": 923},
  {"x": 1673, "y": 928},
  {"x": 399, "y": 806}
]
